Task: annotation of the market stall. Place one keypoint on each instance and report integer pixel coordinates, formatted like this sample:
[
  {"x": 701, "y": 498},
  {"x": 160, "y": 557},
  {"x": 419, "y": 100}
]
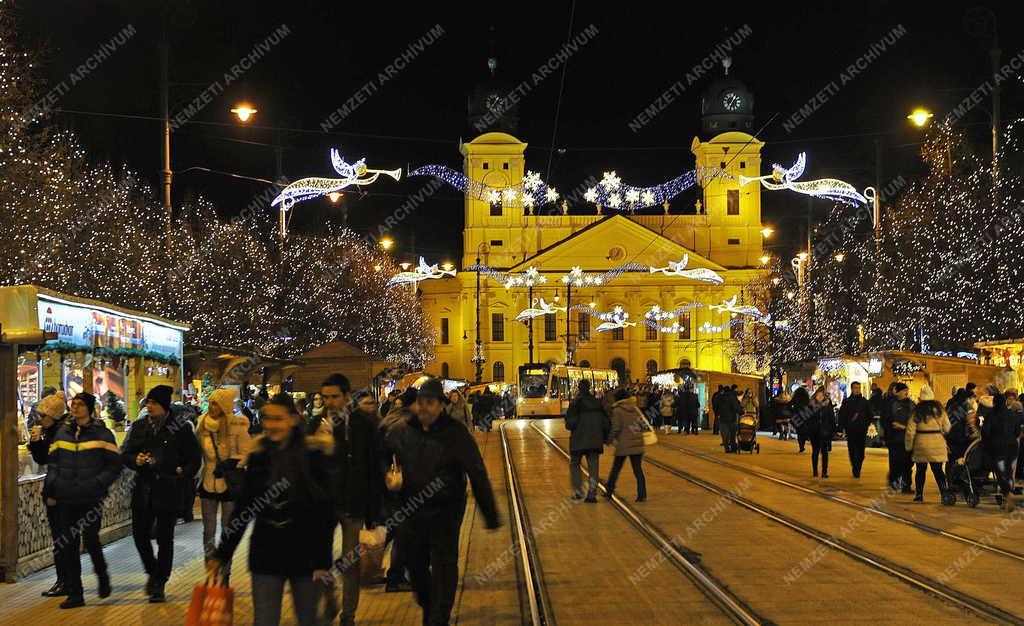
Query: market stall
[{"x": 114, "y": 353}]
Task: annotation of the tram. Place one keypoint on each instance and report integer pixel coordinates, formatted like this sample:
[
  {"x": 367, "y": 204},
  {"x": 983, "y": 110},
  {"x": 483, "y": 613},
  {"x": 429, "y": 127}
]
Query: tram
[{"x": 545, "y": 389}]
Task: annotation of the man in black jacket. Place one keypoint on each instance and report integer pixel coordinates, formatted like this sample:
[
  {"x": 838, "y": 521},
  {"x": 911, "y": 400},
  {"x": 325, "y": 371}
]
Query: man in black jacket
[
  {"x": 589, "y": 424},
  {"x": 52, "y": 414},
  {"x": 163, "y": 451},
  {"x": 689, "y": 407},
  {"x": 356, "y": 468},
  {"x": 436, "y": 455},
  {"x": 728, "y": 417},
  {"x": 83, "y": 463},
  {"x": 894, "y": 425},
  {"x": 854, "y": 417}
]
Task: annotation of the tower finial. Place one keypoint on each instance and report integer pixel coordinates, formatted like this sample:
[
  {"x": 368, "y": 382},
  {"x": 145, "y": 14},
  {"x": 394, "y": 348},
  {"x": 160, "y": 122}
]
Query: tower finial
[
  {"x": 492, "y": 64},
  {"x": 726, "y": 64}
]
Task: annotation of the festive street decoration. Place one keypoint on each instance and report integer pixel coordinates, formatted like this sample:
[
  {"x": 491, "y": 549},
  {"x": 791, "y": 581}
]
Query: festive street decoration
[
  {"x": 351, "y": 174},
  {"x": 615, "y": 319},
  {"x": 829, "y": 188},
  {"x": 531, "y": 192},
  {"x": 679, "y": 269},
  {"x": 655, "y": 316},
  {"x": 708, "y": 328},
  {"x": 537, "y": 309},
  {"x": 423, "y": 271},
  {"x": 729, "y": 306},
  {"x": 530, "y": 278},
  {"x": 576, "y": 277}
]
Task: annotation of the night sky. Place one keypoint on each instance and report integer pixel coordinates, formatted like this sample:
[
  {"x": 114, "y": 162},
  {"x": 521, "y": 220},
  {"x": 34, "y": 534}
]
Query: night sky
[{"x": 418, "y": 117}]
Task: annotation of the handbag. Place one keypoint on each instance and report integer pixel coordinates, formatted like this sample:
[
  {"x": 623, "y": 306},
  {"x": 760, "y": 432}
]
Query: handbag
[
  {"x": 650, "y": 437},
  {"x": 229, "y": 471},
  {"x": 211, "y": 605},
  {"x": 393, "y": 477}
]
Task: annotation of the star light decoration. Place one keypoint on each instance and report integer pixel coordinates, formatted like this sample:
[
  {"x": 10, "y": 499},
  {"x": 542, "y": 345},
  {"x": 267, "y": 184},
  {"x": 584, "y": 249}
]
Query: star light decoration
[
  {"x": 613, "y": 320},
  {"x": 828, "y": 188},
  {"x": 576, "y": 277},
  {"x": 613, "y": 193},
  {"x": 351, "y": 174},
  {"x": 532, "y": 191},
  {"x": 530, "y": 278},
  {"x": 655, "y": 316},
  {"x": 423, "y": 271}
]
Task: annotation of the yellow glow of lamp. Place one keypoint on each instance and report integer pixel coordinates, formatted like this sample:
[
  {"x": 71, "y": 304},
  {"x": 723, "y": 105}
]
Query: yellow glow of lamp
[
  {"x": 767, "y": 232},
  {"x": 244, "y": 112},
  {"x": 840, "y": 257},
  {"x": 334, "y": 196},
  {"x": 447, "y": 265},
  {"x": 920, "y": 116},
  {"x": 387, "y": 243},
  {"x": 764, "y": 260}
]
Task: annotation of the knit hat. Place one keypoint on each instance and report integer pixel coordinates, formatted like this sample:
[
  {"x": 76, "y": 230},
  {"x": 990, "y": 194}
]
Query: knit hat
[
  {"x": 53, "y": 405},
  {"x": 408, "y": 396},
  {"x": 898, "y": 387},
  {"x": 223, "y": 398},
  {"x": 926, "y": 394},
  {"x": 161, "y": 394},
  {"x": 432, "y": 388},
  {"x": 88, "y": 399}
]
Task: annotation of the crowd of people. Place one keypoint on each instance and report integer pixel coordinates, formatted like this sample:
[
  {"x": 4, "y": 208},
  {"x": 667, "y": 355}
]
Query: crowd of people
[{"x": 339, "y": 462}]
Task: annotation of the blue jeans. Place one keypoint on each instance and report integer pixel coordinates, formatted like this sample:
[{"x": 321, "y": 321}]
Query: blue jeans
[{"x": 267, "y": 591}]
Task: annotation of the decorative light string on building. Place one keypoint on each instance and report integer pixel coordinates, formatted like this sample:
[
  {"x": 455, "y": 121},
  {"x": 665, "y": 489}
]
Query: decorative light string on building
[
  {"x": 538, "y": 308},
  {"x": 679, "y": 269},
  {"x": 828, "y": 188},
  {"x": 530, "y": 278},
  {"x": 423, "y": 271},
  {"x": 351, "y": 174}
]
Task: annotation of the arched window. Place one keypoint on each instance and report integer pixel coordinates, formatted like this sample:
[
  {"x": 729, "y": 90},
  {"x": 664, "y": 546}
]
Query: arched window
[
  {"x": 619, "y": 365},
  {"x": 444, "y": 370},
  {"x": 652, "y": 367},
  {"x": 499, "y": 371},
  {"x": 584, "y": 363}
]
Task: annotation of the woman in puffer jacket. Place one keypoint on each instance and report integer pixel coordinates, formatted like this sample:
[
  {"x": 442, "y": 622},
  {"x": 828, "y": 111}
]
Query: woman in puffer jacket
[
  {"x": 223, "y": 436},
  {"x": 925, "y": 441}
]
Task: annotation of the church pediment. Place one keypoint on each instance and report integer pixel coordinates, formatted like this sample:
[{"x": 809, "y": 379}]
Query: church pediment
[{"x": 612, "y": 242}]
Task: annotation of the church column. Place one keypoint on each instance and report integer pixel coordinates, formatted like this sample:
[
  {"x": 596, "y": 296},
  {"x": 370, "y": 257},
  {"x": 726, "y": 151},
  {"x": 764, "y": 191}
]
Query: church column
[{"x": 634, "y": 334}]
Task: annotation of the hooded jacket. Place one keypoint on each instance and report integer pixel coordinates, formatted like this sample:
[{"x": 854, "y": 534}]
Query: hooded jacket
[
  {"x": 589, "y": 424},
  {"x": 435, "y": 463},
  {"x": 236, "y": 445},
  {"x": 287, "y": 495},
  {"x": 83, "y": 463}
]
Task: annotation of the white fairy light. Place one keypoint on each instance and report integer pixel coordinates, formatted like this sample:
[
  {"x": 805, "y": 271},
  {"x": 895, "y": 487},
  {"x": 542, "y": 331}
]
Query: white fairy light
[{"x": 610, "y": 181}]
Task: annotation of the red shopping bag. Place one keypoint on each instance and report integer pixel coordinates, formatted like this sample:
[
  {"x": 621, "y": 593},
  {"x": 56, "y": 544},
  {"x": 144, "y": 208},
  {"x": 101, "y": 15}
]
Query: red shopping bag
[
  {"x": 195, "y": 607},
  {"x": 212, "y": 605}
]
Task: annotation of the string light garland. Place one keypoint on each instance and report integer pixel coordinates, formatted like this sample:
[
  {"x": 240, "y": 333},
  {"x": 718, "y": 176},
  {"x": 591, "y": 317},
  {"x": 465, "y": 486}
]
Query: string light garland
[
  {"x": 530, "y": 192},
  {"x": 730, "y": 306},
  {"x": 679, "y": 269},
  {"x": 538, "y": 308},
  {"x": 423, "y": 271},
  {"x": 351, "y": 174},
  {"x": 828, "y": 188}
]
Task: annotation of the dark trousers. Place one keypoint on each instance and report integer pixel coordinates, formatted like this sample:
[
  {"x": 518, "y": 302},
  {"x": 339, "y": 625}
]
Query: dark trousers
[
  {"x": 431, "y": 544},
  {"x": 899, "y": 466},
  {"x": 692, "y": 424},
  {"x": 396, "y": 571},
  {"x": 1003, "y": 469},
  {"x": 79, "y": 523},
  {"x": 142, "y": 525},
  {"x": 855, "y": 439},
  {"x": 728, "y": 432},
  {"x": 820, "y": 446},
  {"x": 53, "y": 519},
  {"x": 801, "y": 440},
  {"x": 636, "y": 461},
  {"x": 576, "y": 473},
  {"x": 940, "y": 478}
]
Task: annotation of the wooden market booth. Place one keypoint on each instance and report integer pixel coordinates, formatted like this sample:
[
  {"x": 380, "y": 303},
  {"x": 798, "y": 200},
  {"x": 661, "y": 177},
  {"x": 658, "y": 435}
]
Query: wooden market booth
[{"x": 64, "y": 342}]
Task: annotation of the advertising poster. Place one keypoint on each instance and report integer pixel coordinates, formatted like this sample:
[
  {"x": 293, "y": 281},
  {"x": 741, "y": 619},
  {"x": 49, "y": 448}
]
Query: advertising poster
[
  {"x": 86, "y": 329},
  {"x": 28, "y": 387}
]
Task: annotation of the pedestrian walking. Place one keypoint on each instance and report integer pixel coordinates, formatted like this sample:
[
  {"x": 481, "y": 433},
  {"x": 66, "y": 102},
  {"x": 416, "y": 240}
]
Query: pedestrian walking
[
  {"x": 396, "y": 580},
  {"x": 356, "y": 470},
  {"x": 1000, "y": 433},
  {"x": 800, "y": 412},
  {"x": 436, "y": 456},
  {"x": 51, "y": 413},
  {"x": 665, "y": 411},
  {"x": 225, "y": 443},
  {"x": 689, "y": 410},
  {"x": 780, "y": 413},
  {"x": 589, "y": 425},
  {"x": 729, "y": 411},
  {"x": 820, "y": 427},
  {"x": 854, "y": 419},
  {"x": 458, "y": 410},
  {"x": 925, "y": 442},
  {"x": 82, "y": 465},
  {"x": 287, "y": 493},
  {"x": 164, "y": 454},
  {"x": 627, "y": 426},
  {"x": 894, "y": 426}
]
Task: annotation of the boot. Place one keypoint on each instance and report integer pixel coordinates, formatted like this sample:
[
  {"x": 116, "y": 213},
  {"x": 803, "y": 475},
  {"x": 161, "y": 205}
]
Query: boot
[
  {"x": 824, "y": 467},
  {"x": 919, "y": 496},
  {"x": 158, "y": 593},
  {"x": 151, "y": 583},
  {"x": 104, "y": 586},
  {"x": 56, "y": 590},
  {"x": 73, "y": 601}
]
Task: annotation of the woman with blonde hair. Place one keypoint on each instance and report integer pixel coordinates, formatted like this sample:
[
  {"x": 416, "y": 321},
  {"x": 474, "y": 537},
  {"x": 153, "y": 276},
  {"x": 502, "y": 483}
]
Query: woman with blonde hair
[
  {"x": 225, "y": 442},
  {"x": 925, "y": 441}
]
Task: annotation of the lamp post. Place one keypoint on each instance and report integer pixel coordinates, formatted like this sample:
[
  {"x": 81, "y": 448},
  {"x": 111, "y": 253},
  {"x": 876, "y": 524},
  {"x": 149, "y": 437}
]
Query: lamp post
[
  {"x": 478, "y": 355},
  {"x": 529, "y": 278}
]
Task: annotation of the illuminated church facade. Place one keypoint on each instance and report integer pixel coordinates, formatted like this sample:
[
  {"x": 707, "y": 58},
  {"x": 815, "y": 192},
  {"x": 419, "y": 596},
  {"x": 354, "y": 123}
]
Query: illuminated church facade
[{"x": 723, "y": 234}]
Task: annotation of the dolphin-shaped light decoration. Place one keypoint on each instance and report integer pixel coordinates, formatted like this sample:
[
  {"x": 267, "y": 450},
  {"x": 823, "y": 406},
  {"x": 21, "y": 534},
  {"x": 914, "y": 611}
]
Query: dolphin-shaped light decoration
[
  {"x": 423, "y": 271},
  {"x": 351, "y": 174}
]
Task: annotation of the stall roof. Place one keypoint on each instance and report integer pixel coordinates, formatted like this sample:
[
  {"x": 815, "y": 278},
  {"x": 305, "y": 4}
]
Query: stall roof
[
  {"x": 222, "y": 353},
  {"x": 18, "y": 307}
]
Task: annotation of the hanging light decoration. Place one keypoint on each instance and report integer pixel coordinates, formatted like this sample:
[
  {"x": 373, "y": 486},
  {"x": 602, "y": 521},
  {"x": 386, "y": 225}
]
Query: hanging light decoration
[
  {"x": 351, "y": 174},
  {"x": 423, "y": 271},
  {"x": 828, "y": 188},
  {"x": 679, "y": 269}
]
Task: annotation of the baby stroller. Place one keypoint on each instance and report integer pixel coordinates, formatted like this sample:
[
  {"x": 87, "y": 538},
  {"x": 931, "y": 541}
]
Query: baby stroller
[
  {"x": 968, "y": 475},
  {"x": 746, "y": 434}
]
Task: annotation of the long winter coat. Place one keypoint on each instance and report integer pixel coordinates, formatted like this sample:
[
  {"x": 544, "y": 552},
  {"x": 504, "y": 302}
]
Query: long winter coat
[
  {"x": 627, "y": 428},
  {"x": 729, "y": 408},
  {"x": 855, "y": 414},
  {"x": 589, "y": 424},
  {"x": 1000, "y": 432},
  {"x": 459, "y": 411},
  {"x": 924, "y": 437},
  {"x": 356, "y": 467},
  {"x": 821, "y": 423},
  {"x": 236, "y": 445}
]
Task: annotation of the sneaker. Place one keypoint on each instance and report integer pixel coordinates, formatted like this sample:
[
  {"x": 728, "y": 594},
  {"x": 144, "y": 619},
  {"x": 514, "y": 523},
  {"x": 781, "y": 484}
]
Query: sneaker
[
  {"x": 158, "y": 593},
  {"x": 104, "y": 587},
  {"x": 397, "y": 587},
  {"x": 55, "y": 591},
  {"x": 73, "y": 602}
]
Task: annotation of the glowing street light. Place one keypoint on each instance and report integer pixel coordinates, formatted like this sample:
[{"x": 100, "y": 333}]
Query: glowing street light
[
  {"x": 447, "y": 266},
  {"x": 920, "y": 117},
  {"x": 840, "y": 257},
  {"x": 387, "y": 243},
  {"x": 405, "y": 265},
  {"x": 335, "y": 196},
  {"x": 765, "y": 259},
  {"x": 767, "y": 231},
  {"x": 802, "y": 256},
  {"x": 243, "y": 112}
]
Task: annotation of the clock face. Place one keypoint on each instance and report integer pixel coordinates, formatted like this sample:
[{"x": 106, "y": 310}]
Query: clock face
[
  {"x": 494, "y": 101},
  {"x": 732, "y": 101}
]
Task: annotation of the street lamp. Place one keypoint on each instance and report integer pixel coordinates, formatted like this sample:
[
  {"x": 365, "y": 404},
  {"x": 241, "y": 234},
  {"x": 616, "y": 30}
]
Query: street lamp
[
  {"x": 840, "y": 257},
  {"x": 243, "y": 112},
  {"x": 767, "y": 232},
  {"x": 765, "y": 259},
  {"x": 920, "y": 117},
  {"x": 447, "y": 266},
  {"x": 387, "y": 243},
  {"x": 335, "y": 197}
]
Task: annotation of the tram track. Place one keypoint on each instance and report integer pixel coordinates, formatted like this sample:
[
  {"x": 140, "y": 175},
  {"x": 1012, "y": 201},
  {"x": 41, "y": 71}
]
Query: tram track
[
  {"x": 537, "y": 603},
  {"x": 1010, "y": 554},
  {"x": 926, "y": 584}
]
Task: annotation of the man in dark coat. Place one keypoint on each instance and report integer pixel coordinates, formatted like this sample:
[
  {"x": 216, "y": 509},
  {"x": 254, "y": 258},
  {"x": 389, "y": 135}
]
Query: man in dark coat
[
  {"x": 715, "y": 399},
  {"x": 356, "y": 467},
  {"x": 894, "y": 424},
  {"x": 688, "y": 406},
  {"x": 163, "y": 451},
  {"x": 729, "y": 411},
  {"x": 589, "y": 424},
  {"x": 436, "y": 455},
  {"x": 854, "y": 418},
  {"x": 83, "y": 463}
]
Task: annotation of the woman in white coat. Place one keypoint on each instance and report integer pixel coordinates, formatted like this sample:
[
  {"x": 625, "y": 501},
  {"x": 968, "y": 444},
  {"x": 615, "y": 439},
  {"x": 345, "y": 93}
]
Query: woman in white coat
[{"x": 926, "y": 442}]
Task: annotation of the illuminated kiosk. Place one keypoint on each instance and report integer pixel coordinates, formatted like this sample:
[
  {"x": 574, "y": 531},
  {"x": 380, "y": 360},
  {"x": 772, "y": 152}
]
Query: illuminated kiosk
[{"x": 74, "y": 344}]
